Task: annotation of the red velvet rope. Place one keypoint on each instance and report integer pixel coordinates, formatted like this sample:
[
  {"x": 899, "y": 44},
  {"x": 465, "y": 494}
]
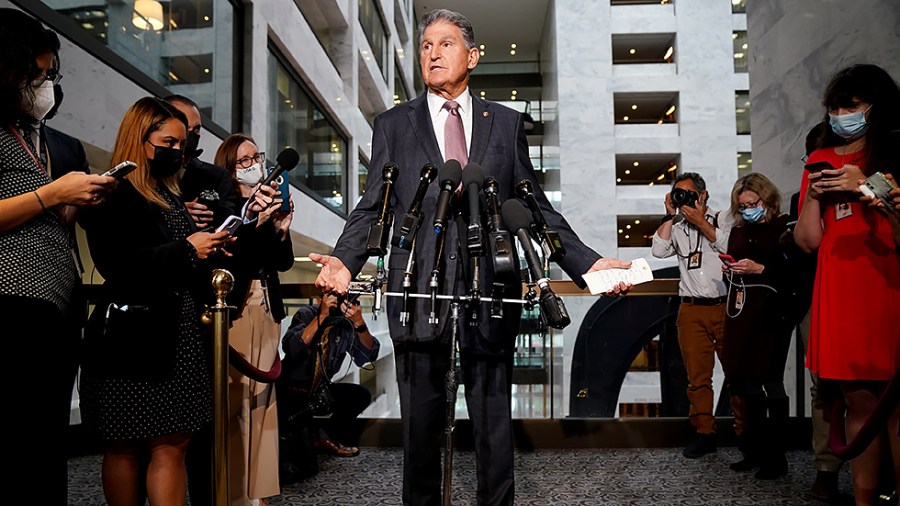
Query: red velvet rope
[
  {"x": 249, "y": 370},
  {"x": 837, "y": 435}
]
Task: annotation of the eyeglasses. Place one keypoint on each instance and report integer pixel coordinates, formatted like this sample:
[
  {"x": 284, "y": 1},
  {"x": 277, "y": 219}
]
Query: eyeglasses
[
  {"x": 54, "y": 78},
  {"x": 248, "y": 161},
  {"x": 743, "y": 207}
]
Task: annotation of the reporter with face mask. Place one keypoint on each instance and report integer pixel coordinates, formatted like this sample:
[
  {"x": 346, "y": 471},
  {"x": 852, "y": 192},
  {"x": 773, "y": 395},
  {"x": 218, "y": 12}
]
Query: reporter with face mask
[
  {"x": 262, "y": 249},
  {"x": 40, "y": 193},
  {"x": 854, "y": 340},
  {"x": 758, "y": 325},
  {"x": 146, "y": 378}
]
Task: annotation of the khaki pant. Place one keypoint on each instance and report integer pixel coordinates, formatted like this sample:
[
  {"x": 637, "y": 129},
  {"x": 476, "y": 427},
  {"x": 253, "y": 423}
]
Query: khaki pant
[{"x": 701, "y": 332}]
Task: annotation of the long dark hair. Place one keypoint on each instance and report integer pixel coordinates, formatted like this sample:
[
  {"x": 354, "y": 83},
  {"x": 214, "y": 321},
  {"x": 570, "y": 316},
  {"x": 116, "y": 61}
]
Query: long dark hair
[
  {"x": 870, "y": 84},
  {"x": 22, "y": 39}
]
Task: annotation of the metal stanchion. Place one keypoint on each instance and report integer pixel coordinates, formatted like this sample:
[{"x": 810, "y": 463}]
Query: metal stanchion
[{"x": 222, "y": 282}]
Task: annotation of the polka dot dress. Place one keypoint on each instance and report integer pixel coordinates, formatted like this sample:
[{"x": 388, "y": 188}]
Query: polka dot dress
[{"x": 137, "y": 409}]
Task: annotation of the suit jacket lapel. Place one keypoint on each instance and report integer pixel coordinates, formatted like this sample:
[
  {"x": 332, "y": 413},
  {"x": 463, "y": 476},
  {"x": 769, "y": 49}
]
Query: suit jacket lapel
[
  {"x": 482, "y": 121},
  {"x": 420, "y": 119}
]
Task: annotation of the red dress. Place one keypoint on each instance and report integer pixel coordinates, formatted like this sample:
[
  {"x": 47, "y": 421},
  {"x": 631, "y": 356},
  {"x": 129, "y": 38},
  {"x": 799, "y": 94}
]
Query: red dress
[{"x": 855, "y": 321}]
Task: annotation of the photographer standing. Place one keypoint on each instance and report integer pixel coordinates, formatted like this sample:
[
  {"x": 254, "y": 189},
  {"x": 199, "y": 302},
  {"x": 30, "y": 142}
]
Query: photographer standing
[
  {"x": 693, "y": 233},
  {"x": 319, "y": 337}
]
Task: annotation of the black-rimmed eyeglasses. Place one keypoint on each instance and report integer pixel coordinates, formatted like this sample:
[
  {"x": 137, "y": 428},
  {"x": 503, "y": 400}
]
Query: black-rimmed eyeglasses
[
  {"x": 248, "y": 161},
  {"x": 54, "y": 78},
  {"x": 744, "y": 207}
]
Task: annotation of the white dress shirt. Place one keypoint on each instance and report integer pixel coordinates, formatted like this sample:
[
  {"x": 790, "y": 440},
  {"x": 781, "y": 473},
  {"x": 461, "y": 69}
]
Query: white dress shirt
[
  {"x": 705, "y": 281},
  {"x": 439, "y": 117}
]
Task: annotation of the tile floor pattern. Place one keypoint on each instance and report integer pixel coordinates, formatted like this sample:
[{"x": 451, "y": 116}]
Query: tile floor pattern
[{"x": 582, "y": 477}]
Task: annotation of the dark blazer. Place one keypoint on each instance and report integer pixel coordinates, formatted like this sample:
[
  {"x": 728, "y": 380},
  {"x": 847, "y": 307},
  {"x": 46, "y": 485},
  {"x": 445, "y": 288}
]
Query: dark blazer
[
  {"x": 140, "y": 261},
  {"x": 258, "y": 253},
  {"x": 404, "y": 135}
]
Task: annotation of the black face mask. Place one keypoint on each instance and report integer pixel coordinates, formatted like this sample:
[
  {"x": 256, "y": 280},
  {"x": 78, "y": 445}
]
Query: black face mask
[
  {"x": 165, "y": 162},
  {"x": 190, "y": 146}
]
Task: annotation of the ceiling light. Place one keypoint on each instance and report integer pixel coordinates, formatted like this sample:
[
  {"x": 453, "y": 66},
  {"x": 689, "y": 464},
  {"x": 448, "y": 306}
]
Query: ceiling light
[
  {"x": 627, "y": 236},
  {"x": 481, "y": 53},
  {"x": 512, "y": 51},
  {"x": 512, "y": 46},
  {"x": 744, "y": 46},
  {"x": 173, "y": 76},
  {"x": 618, "y": 180},
  {"x": 482, "y": 93},
  {"x": 738, "y": 56},
  {"x": 628, "y": 227},
  {"x": 627, "y": 172},
  {"x": 620, "y": 230},
  {"x": 633, "y": 107},
  {"x": 512, "y": 97},
  {"x": 637, "y": 222},
  {"x": 673, "y": 168},
  {"x": 733, "y": 36},
  {"x": 338, "y": 99},
  {"x": 636, "y": 164},
  {"x": 625, "y": 118},
  {"x": 651, "y": 183},
  {"x": 742, "y": 165},
  {"x": 749, "y": 160},
  {"x": 205, "y": 18},
  {"x": 671, "y": 110},
  {"x": 206, "y": 71},
  {"x": 660, "y": 122},
  {"x": 481, "y": 47},
  {"x": 669, "y": 52},
  {"x": 632, "y": 51},
  {"x": 148, "y": 15},
  {"x": 514, "y": 92},
  {"x": 661, "y": 176}
]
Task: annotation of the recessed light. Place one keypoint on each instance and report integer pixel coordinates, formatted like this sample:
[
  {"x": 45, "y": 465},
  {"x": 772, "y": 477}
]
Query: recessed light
[
  {"x": 632, "y": 51},
  {"x": 627, "y": 171},
  {"x": 633, "y": 107},
  {"x": 482, "y": 53},
  {"x": 512, "y": 46},
  {"x": 627, "y": 236},
  {"x": 618, "y": 180},
  {"x": 670, "y": 110},
  {"x": 669, "y": 52},
  {"x": 637, "y": 222},
  {"x": 636, "y": 164},
  {"x": 628, "y": 227},
  {"x": 481, "y": 47},
  {"x": 625, "y": 118},
  {"x": 512, "y": 51}
]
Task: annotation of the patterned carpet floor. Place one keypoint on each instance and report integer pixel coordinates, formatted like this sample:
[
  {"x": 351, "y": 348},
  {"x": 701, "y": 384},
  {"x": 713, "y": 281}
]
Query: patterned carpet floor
[{"x": 659, "y": 476}]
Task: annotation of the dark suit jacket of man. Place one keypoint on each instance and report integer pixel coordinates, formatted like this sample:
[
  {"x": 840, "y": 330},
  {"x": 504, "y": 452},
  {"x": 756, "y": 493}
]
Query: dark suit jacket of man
[
  {"x": 199, "y": 176},
  {"x": 404, "y": 135}
]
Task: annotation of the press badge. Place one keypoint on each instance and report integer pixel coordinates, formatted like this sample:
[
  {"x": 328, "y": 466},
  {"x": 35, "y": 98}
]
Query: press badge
[
  {"x": 842, "y": 210},
  {"x": 694, "y": 260},
  {"x": 739, "y": 299}
]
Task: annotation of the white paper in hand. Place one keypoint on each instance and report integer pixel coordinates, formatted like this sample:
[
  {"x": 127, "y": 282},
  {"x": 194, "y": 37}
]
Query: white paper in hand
[{"x": 605, "y": 280}]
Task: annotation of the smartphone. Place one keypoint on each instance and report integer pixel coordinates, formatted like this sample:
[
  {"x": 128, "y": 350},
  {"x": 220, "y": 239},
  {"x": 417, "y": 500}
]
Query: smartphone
[
  {"x": 121, "y": 170},
  {"x": 231, "y": 224},
  {"x": 284, "y": 186},
  {"x": 726, "y": 259},
  {"x": 880, "y": 187},
  {"x": 817, "y": 167}
]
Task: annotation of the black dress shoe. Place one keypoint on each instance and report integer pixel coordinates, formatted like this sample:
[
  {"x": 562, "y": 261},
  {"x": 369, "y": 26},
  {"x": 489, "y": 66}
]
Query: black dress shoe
[
  {"x": 747, "y": 464},
  {"x": 772, "y": 468},
  {"x": 700, "y": 445}
]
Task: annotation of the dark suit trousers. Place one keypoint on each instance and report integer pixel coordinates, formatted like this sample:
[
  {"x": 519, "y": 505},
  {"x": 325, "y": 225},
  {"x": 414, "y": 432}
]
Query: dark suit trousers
[{"x": 421, "y": 372}]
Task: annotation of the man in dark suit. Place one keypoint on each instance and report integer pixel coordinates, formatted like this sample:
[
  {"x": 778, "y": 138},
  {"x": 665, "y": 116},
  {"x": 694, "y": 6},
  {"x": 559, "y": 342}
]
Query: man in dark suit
[
  {"x": 202, "y": 179},
  {"x": 426, "y": 130}
]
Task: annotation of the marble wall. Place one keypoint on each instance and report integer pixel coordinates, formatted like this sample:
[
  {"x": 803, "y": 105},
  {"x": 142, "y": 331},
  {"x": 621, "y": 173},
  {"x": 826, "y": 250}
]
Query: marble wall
[{"x": 795, "y": 48}]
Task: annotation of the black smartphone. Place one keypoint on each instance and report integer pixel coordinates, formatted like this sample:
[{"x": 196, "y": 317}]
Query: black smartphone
[
  {"x": 816, "y": 167},
  {"x": 121, "y": 170}
]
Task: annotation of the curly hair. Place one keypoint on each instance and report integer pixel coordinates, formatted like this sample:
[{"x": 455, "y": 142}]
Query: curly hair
[{"x": 23, "y": 40}]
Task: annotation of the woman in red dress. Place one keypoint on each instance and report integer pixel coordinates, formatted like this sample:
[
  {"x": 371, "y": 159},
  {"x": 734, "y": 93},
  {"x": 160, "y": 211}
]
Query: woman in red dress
[{"x": 854, "y": 336}]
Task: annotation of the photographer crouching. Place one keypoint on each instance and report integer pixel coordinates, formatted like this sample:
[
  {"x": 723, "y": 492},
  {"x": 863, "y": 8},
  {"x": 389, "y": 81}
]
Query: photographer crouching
[{"x": 319, "y": 337}]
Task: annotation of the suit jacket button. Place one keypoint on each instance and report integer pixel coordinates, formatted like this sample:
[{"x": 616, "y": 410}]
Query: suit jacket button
[{"x": 452, "y": 256}]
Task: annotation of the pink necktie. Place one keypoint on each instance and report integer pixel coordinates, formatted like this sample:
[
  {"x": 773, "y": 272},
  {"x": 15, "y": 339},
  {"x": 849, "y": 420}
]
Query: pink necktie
[{"x": 454, "y": 137}]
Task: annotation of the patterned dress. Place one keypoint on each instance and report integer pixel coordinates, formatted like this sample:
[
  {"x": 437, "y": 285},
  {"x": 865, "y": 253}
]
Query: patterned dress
[{"x": 121, "y": 408}]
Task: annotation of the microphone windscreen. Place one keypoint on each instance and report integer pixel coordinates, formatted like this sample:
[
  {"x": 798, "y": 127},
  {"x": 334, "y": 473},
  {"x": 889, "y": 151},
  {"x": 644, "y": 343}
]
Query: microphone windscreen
[
  {"x": 515, "y": 216},
  {"x": 473, "y": 174},
  {"x": 452, "y": 172},
  {"x": 288, "y": 159}
]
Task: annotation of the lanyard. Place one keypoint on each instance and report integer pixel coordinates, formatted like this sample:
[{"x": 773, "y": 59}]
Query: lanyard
[{"x": 15, "y": 132}]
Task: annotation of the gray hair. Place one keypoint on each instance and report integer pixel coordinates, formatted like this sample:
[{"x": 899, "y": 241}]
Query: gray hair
[
  {"x": 699, "y": 183},
  {"x": 449, "y": 16}
]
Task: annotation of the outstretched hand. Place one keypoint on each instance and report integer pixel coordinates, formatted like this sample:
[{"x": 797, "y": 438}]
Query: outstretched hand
[
  {"x": 613, "y": 263},
  {"x": 334, "y": 276}
]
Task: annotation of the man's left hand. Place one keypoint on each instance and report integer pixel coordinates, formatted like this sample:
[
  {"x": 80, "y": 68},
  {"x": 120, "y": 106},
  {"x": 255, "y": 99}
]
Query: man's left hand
[
  {"x": 353, "y": 313},
  {"x": 613, "y": 263}
]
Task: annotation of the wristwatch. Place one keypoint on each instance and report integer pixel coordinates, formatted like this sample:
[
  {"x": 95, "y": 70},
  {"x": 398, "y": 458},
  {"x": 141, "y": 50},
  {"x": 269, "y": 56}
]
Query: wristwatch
[{"x": 362, "y": 328}]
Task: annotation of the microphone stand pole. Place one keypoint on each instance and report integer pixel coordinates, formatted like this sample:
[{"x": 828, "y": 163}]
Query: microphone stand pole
[
  {"x": 451, "y": 383},
  {"x": 407, "y": 282},
  {"x": 435, "y": 275}
]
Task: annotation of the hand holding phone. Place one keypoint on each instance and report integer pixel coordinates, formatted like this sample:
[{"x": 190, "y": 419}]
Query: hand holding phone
[
  {"x": 877, "y": 186},
  {"x": 726, "y": 259},
  {"x": 121, "y": 170},
  {"x": 231, "y": 224},
  {"x": 285, "y": 188}
]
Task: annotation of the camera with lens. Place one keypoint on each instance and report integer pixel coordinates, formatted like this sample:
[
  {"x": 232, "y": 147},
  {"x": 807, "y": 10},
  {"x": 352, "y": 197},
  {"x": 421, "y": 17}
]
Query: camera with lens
[
  {"x": 321, "y": 402},
  {"x": 681, "y": 197}
]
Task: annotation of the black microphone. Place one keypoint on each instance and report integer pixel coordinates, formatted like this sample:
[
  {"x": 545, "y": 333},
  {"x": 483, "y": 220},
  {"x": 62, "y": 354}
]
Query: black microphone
[
  {"x": 472, "y": 179},
  {"x": 503, "y": 254},
  {"x": 553, "y": 310},
  {"x": 549, "y": 239},
  {"x": 410, "y": 222},
  {"x": 376, "y": 245},
  {"x": 449, "y": 176},
  {"x": 284, "y": 162}
]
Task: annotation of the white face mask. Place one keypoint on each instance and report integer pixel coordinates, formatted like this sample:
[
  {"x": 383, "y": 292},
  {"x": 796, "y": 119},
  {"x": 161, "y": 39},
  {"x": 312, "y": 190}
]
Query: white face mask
[
  {"x": 44, "y": 100},
  {"x": 251, "y": 175}
]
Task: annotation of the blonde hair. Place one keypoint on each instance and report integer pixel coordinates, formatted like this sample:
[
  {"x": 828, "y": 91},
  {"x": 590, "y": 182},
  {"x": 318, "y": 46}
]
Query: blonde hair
[
  {"x": 760, "y": 185},
  {"x": 144, "y": 117}
]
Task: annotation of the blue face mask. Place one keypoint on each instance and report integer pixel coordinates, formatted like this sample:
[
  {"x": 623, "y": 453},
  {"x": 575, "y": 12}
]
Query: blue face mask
[
  {"x": 753, "y": 214},
  {"x": 849, "y": 126}
]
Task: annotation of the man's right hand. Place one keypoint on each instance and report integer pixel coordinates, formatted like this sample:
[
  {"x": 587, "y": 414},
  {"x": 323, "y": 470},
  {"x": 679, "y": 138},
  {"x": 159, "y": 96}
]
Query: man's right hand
[
  {"x": 334, "y": 276},
  {"x": 200, "y": 213}
]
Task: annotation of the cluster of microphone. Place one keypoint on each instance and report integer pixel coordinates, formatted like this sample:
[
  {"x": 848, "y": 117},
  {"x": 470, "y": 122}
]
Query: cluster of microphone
[{"x": 487, "y": 233}]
